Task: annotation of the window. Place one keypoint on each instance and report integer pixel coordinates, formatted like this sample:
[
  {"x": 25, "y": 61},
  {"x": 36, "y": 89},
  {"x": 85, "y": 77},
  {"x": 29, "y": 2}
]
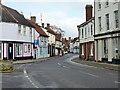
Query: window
[
  {"x": 82, "y": 49},
  {"x": 0, "y": 49},
  {"x": 85, "y": 32},
  {"x": 18, "y": 49},
  {"x": 88, "y": 30},
  {"x": 91, "y": 30},
  {"x": 107, "y": 2},
  {"x": 40, "y": 50},
  {"x": 105, "y": 48},
  {"x": 29, "y": 48},
  {"x": 99, "y": 23},
  {"x": 24, "y": 28},
  {"x": 25, "y": 48},
  {"x": 91, "y": 49},
  {"x": 99, "y": 4},
  {"x": 82, "y": 33},
  {"x": 30, "y": 31},
  {"x": 116, "y": 19},
  {"x": 107, "y": 21},
  {"x": 19, "y": 29}
]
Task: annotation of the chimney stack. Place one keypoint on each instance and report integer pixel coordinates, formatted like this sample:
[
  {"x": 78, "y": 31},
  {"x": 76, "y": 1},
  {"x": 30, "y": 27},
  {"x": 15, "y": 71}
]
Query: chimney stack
[
  {"x": 33, "y": 18},
  {"x": 69, "y": 38},
  {"x": 48, "y": 25},
  {"x": 22, "y": 13},
  {"x": 42, "y": 25},
  {"x": 89, "y": 9}
]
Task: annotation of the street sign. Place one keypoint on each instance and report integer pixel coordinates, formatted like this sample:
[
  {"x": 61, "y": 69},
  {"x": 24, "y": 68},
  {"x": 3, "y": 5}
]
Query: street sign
[{"x": 36, "y": 42}]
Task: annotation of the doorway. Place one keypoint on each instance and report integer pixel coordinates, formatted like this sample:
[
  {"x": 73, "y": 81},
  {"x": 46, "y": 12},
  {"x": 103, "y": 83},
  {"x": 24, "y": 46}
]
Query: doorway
[{"x": 10, "y": 51}]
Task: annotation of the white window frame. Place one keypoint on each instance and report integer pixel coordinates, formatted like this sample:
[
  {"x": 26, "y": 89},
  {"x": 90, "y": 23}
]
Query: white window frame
[
  {"x": 18, "y": 49},
  {"x": 116, "y": 20},
  {"x": 25, "y": 48},
  {"x": 29, "y": 48}
]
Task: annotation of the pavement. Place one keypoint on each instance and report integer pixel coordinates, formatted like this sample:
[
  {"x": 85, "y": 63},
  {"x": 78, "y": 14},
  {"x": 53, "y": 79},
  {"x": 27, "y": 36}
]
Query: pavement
[
  {"x": 101, "y": 65},
  {"x": 32, "y": 60},
  {"x": 59, "y": 72}
]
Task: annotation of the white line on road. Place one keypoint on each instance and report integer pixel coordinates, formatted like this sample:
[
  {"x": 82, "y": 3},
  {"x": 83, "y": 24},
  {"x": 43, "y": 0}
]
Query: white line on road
[
  {"x": 26, "y": 75},
  {"x": 59, "y": 64},
  {"x": 117, "y": 82}
]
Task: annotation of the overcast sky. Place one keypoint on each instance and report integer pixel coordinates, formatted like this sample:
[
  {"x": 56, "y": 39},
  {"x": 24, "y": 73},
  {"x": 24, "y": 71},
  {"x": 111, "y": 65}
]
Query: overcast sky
[{"x": 66, "y": 14}]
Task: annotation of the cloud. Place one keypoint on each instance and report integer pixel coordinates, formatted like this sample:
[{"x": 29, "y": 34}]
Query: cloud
[{"x": 63, "y": 21}]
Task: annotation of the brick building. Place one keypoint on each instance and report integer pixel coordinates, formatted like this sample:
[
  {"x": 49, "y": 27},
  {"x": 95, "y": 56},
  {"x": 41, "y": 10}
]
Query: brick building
[{"x": 86, "y": 35}]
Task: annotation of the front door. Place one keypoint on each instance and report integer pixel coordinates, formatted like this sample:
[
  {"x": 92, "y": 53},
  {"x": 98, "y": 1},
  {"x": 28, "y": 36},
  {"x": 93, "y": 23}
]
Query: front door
[{"x": 10, "y": 51}]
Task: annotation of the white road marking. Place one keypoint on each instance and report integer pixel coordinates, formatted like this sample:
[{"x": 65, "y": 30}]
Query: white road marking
[
  {"x": 89, "y": 74},
  {"x": 117, "y": 82},
  {"x": 20, "y": 66},
  {"x": 26, "y": 75},
  {"x": 59, "y": 64}
]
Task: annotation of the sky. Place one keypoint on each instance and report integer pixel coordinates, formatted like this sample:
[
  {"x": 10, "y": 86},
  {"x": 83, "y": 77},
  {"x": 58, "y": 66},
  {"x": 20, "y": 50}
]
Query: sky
[{"x": 65, "y": 14}]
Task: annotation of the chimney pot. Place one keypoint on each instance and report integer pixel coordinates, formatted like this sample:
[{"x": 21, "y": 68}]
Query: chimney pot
[
  {"x": 48, "y": 25},
  {"x": 89, "y": 12},
  {"x": 42, "y": 25},
  {"x": 33, "y": 18}
]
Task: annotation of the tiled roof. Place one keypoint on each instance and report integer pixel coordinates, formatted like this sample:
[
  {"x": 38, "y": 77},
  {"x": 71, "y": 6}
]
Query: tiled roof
[
  {"x": 58, "y": 37},
  {"x": 38, "y": 29},
  {"x": 13, "y": 16},
  {"x": 50, "y": 31}
]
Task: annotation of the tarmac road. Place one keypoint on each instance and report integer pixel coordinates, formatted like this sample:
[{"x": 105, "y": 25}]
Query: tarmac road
[{"x": 59, "y": 72}]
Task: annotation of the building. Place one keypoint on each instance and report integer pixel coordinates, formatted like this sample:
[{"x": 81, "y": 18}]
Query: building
[
  {"x": 86, "y": 35},
  {"x": 16, "y": 35},
  {"x": 41, "y": 39},
  {"x": 51, "y": 39},
  {"x": 75, "y": 45},
  {"x": 107, "y": 31},
  {"x": 58, "y": 44}
]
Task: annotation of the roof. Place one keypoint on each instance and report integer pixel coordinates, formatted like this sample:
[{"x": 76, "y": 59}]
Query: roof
[
  {"x": 38, "y": 29},
  {"x": 85, "y": 23},
  {"x": 50, "y": 31},
  {"x": 58, "y": 37},
  {"x": 13, "y": 16}
]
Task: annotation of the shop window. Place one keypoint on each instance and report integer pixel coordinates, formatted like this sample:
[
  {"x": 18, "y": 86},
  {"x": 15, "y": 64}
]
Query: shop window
[
  {"x": 18, "y": 49},
  {"x": 29, "y": 48},
  {"x": 82, "y": 49},
  {"x": 25, "y": 48},
  {"x": 91, "y": 49}
]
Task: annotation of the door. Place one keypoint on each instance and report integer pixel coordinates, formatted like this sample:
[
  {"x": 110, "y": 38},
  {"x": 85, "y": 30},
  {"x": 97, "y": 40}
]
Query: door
[{"x": 10, "y": 51}]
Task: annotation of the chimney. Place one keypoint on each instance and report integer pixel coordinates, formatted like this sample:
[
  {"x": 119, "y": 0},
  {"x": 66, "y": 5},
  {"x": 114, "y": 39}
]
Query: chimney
[
  {"x": 65, "y": 39},
  {"x": 69, "y": 38},
  {"x": 89, "y": 12},
  {"x": 33, "y": 18},
  {"x": 48, "y": 25},
  {"x": 42, "y": 25},
  {"x": 22, "y": 13}
]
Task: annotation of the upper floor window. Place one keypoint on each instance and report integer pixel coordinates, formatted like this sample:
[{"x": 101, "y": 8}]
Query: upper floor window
[
  {"x": 24, "y": 28},
  {"x": 116, "y": 19},
  {"x": 99, "y": 18},
  {"x": 82, "y": 33},
  {"x": 107, "y": 21},
  {"x": 88, "y": 30},
  {"x": 107, "y": 2},
  {"x": 91, "y": 30},
  {"x": 99, "y": 4},
  {"x": 19, "y": 29},
  {"x": 30, "y": 31}
]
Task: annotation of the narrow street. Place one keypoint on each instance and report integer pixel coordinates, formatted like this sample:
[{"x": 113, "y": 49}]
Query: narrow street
[{"x": 59, "y": 72}]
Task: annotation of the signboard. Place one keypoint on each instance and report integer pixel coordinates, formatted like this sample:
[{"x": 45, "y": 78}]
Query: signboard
[{"x": 36, "y": 42}]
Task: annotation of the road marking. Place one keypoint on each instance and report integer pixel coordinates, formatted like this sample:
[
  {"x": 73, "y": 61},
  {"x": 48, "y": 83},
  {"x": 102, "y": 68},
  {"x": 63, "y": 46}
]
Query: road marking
[
  {"x": 89, "y": 74},
  {"x": 26, "y": 75},
  {"x": 20, "y": 66},
  {"x": 117, "y": 82},
  {"x": 59, "y": 64}
]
